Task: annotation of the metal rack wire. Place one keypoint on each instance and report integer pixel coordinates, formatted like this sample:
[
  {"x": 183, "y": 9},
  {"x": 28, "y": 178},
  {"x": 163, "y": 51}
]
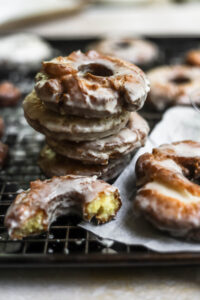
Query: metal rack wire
[
  {"x": 21, "y": 168},
  {"x": 65, "y": 243}
]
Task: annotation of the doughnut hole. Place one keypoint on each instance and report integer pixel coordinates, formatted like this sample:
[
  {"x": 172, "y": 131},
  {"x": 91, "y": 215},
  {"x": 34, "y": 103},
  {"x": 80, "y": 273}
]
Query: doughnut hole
[
  {"x": 123, "y": 45},
  {"x": 96, "y": 70},
  {"x": 103, "y": 208},
  {"x": 180, "y": 79}
]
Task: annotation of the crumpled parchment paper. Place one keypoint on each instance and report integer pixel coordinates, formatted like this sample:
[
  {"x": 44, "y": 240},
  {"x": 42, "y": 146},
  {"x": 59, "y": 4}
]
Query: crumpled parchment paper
[{"x": 179, "y": 123}]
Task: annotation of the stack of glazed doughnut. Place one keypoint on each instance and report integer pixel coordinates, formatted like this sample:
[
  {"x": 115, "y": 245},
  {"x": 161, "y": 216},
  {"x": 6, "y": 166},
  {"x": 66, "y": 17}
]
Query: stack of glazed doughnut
[{"x": 85, "y": 105}]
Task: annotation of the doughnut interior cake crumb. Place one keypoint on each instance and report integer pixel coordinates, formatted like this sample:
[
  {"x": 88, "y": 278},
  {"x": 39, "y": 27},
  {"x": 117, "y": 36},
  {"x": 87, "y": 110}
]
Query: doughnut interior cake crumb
[
  {"x": 102, "y": 207},
  {"x": 31, "y": 226},
  {"x": 33, "y": 211}
]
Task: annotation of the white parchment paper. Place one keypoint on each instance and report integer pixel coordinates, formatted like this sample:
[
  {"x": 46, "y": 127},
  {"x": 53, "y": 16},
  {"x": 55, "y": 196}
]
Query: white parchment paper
[{"x": 179, "y": 123}]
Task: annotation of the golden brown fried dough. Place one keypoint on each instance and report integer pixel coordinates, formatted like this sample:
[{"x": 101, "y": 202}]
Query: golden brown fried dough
[
  {"x": 137, "y": 51},
  {"x": 9, "y": 94},
  {"x": 100, "y": 151},
  {"x": 91, "y": 85},
  {"x": 168, "y": 197},
  {"x": 53, "y": 164},
  {"x": 70, "y": 127},
  {"x": 172, "y": 85},
  {"x": 33, "y": 211}
]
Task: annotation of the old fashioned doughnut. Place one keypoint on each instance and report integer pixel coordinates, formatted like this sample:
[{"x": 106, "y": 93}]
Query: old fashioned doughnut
[
  {"x": 9, "y": 94},
  {"x": 91, "y": 85},
  {"x": 70, "y": 127},
  {"x": 53, "y": 164},
  {"x": 101, "y": 151},
  {"x": 169, "y": 197},
  {"x": 193, "y": 57},
  {"x": 1, "y": 127},
  {"x": 23, "y": 51},
  {"x": 137, "y": 51},
  {"x": 3, "y": 154},
  {"x": 33, "y": 211},
  {"x": 172, "y": 85}
]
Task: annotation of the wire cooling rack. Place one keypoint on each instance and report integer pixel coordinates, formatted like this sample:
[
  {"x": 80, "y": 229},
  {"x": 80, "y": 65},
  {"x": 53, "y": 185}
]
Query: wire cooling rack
[{"x": 65, "y": 244}]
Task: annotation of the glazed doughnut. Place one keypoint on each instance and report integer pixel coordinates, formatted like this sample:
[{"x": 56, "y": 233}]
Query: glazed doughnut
[
  {"x": 3, "y": 153},
  {"x": 33, "y": 211},
  {"x": 137, "y": 51},
  {"x": 193, "y": 57},
  {"x": 101, "y": 151},
  {"x": 91, "y": 85},
  {"x": 70, "y": 127},
  {"x": 23, "y": 52},
  {"x": 53, "y": 164},
  {"x": 1, "y": 127},
  {"x": 169, "y": 198},
  {"x": 172, "y": 85},
  {"x": 9, "y": 94}
]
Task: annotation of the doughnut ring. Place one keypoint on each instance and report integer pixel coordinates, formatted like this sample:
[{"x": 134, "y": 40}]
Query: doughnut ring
[
  {"x": 33, "y": 211},
  {"x": 53, "y": 164},
  {"x": 23, "y": 52},
  {"x": 9, "y": 94},
  {"x": 193, "y": 57},
  {"x": 70, "y": 128},
  {"x": 172, "y": 85},
  {"x": 2, "y": 127},
  {"x": 3, "y": 153},
  {"x": 91, "y": 85},
  {"x": 137, "y": 51},
  {"x": 128, "y": 139},
  {"x": 168, "y": 196}
]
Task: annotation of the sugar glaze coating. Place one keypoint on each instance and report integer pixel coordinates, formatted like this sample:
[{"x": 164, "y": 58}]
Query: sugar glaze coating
[
  {"x": 168, "y": 197},
  {"x": 172, "y": 85},
  {"x": 101, "y": 151},
  {"x": 35, "y": 209},
  {"x": 53, "y": 164},
  {"x": 70, "y": 127},
  {"x": 91, "y": 85},
  {"x": 3, "y": 153},
  {"x": 137, "y": 51}
]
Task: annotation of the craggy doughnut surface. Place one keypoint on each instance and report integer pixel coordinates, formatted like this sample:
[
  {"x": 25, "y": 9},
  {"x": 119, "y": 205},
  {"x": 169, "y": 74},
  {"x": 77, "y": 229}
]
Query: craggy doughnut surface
[
  {"x": 137, "y": 51},
  {"x": 33, "y": 211},
  {"x": 168, "y": 196},
  {"x": 53, "y": 164},
  {"x": 9, "y": 94},
  {"x": 172, "y": 85},
  {"x": 101, "y": 151},
  {"x": 91, "y": 85},
  {"x": 70, "y": 127},
  {"x": 193, "y": 57}
]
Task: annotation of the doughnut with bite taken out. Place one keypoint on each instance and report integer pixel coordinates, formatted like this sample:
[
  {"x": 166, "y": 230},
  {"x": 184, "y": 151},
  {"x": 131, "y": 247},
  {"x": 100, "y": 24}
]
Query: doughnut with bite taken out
[{"x": 33, "y": 211}]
